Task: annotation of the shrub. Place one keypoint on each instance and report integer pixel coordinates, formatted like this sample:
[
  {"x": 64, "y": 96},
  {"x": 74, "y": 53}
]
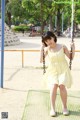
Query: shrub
[{"x": 21, "y": 28}]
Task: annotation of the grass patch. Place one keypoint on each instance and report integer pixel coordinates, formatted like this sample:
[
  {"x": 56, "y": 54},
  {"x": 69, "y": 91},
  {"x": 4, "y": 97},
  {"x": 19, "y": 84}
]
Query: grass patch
[{"x": 37, "y": 106}]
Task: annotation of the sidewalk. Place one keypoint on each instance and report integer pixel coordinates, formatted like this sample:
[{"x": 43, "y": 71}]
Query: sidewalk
[{"x": 18, "y": 81}]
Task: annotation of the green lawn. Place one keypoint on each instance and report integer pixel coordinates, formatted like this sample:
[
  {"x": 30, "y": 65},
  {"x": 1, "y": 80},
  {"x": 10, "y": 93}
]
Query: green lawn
[{"x": 37, "y": 106}]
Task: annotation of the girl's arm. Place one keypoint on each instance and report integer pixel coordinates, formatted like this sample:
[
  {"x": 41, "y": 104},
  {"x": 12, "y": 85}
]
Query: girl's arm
[
  {"x": 68, "y": 53},
  {"x": 41, "y": 53}
]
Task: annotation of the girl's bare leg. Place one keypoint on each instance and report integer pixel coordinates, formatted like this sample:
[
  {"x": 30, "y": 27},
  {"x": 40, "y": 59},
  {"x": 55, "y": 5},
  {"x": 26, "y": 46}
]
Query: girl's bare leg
[
  {"x": 63, "y": 93},
  {"x": 53, "y": 92}
]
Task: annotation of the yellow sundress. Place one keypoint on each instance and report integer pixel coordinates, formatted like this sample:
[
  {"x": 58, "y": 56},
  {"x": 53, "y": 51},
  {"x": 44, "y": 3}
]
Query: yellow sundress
[{"x": 58, "y": 71}]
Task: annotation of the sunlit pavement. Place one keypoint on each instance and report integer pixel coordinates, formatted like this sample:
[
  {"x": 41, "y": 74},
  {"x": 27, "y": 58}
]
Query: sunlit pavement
[{"x": 19, "y": 81}]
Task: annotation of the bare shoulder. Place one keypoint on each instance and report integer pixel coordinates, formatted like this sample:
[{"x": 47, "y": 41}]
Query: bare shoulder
[{"x": 65, "y": 49}]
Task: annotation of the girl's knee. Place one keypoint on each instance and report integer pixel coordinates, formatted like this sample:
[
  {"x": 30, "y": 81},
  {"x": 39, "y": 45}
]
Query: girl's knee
[
  {"x": 55, "y": 86},
  {"x": 62, "y": 87}
]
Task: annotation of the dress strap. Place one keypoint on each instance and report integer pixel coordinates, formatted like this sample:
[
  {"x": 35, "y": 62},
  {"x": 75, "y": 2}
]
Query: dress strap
[{"x": 63, "y": 47}]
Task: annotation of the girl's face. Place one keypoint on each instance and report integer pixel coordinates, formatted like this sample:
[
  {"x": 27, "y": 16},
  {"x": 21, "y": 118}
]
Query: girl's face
[{"x": 50, "y": 42}]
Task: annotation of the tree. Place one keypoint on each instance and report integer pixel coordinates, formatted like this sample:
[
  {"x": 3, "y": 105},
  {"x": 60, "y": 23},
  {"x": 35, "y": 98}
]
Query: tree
[
  {"x": 14, "y": 8},
  {"x": 44, "y": 12},
  {"x": 41, "y": 11}
]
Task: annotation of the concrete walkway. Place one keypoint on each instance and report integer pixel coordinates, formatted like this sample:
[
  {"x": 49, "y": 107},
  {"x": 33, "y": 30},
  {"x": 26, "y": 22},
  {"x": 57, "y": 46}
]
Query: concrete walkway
[{"x": 18, "y": 81}]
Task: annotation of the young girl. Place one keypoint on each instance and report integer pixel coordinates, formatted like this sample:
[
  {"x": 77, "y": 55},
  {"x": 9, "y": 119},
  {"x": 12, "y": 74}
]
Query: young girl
[{"x": 58, "y": 72}]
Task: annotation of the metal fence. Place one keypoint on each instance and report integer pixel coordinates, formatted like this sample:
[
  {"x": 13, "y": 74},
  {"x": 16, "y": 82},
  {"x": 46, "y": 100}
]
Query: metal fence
[{"x": 23, "y": 58}]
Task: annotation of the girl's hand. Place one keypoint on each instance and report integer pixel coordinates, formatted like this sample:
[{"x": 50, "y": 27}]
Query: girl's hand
[{"x": 43, "y": 46}]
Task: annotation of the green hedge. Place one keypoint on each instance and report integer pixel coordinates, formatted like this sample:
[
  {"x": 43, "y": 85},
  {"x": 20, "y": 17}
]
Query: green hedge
[{"x": 21, "y": 28}]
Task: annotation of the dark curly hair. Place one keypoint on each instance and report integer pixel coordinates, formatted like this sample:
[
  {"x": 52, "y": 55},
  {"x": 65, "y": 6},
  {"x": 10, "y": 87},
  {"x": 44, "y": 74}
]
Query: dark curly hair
[{"x": 47, "y": 36}]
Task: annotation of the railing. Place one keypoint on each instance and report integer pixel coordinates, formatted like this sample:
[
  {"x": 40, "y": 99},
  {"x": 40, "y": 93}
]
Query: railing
[{"x": 22, "y": 51}]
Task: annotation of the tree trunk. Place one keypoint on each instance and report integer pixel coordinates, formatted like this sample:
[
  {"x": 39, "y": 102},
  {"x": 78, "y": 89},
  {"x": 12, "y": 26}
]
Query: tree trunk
[
  {"x": 51, "y": 26},
  {"x": 9, "y": 18},
  {"x": 58, "y": 22},
  {"x": 42, "y": 21}
]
